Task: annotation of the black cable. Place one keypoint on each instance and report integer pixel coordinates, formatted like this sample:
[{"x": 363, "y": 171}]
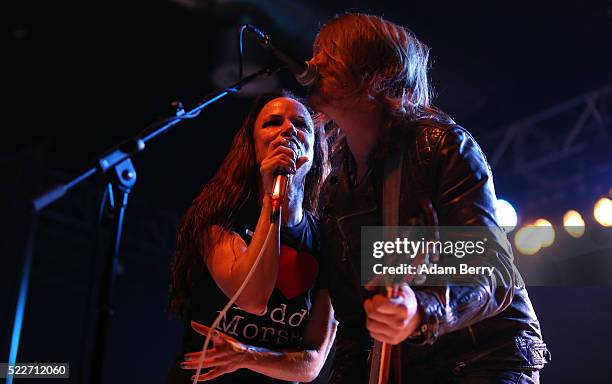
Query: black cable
[
  {"x": 240, "y": 50},
  {"x": 92, "y": 273}
]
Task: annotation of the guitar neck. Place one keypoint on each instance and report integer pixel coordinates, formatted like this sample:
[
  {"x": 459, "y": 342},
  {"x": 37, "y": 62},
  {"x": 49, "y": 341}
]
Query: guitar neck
[
  {"x": 380, "y": 364},
  {"x": 381, "y": 355}
]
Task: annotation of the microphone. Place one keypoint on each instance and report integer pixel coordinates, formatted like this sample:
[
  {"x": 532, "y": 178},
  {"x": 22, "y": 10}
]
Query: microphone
[
  {"x": 279, "y": 187},
  {"x": 305, "y": 72}
]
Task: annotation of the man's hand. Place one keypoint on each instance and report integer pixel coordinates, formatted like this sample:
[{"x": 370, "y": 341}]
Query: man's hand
[{"x": 392, "y": 320}]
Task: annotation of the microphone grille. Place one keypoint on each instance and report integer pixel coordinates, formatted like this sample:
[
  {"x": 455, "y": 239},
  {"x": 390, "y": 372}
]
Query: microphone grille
[
  {"x": 309, "y": 76},
  {"x": 296, "y": 149}
]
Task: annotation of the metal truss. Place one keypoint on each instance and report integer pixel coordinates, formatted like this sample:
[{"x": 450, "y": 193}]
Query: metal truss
[{"x": 567, "y": 131}]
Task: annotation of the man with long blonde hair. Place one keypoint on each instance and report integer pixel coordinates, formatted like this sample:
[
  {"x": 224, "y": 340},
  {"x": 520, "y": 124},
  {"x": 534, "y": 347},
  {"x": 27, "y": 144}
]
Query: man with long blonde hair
[{"x": 373, "y": 88}]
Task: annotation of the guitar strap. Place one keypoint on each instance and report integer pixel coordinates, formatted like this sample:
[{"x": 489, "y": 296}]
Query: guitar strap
[
  {"x": 391, "y": 189},
  {"x": 390, "y": 211}
]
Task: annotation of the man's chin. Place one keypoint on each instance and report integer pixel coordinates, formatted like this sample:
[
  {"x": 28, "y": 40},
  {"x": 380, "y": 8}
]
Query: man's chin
[
  {"x": 329, "y": 105},
  {"x": 321, "y": 104}
]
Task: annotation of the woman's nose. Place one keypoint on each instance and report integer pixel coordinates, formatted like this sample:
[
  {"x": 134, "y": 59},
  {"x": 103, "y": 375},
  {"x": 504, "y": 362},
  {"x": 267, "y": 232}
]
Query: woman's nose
[{"x": 289, "y": 130}]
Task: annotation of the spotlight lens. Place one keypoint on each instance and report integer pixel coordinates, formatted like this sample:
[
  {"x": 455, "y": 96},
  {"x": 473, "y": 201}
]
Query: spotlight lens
[
  {"x": 527, "y": 240},
  {"x": 573, "y": 223},
  {"x": 506, "y": 215},
  {"x": 545, "y": 232},
  {"x": 603, "y": 212}
]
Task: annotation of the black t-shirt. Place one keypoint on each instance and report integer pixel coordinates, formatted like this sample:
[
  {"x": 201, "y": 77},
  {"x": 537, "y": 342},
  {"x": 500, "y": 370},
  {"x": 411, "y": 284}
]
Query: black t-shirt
[{"x": 282, "y": 325}]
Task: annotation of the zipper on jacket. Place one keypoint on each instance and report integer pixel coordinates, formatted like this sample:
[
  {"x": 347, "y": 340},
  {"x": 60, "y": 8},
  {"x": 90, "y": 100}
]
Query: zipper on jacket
[{"x": 343, "y": 234}]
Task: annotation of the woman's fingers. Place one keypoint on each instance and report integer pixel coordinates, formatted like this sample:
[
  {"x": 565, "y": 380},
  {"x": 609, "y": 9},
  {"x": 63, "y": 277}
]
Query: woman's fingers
[
  {"x": 277, "y": 164},
  {"x": 219, "y": 339},
  {"x": 278, "y": 159},
  {"x": 213, "y": 358},
  {"x": 196, "y": 355},
  {"x": 195, "y": 364},
  {"x": 203, "y": 330},
  {"x": 219, "y": 351},
  {"x": 206, "y": 363},
  {"x": 212, "y": 374},
  {"x": 284, "y": 146},
  {"x": 210, "y": 354},
  {"x": 280, "y": 141},
  {"x": 282, "y": 153},
  {"x": 200, "y": 328}
]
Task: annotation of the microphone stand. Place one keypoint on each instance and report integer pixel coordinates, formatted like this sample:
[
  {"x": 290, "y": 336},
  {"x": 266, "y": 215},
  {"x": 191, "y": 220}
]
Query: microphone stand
[{"x": 120, "y": 176}]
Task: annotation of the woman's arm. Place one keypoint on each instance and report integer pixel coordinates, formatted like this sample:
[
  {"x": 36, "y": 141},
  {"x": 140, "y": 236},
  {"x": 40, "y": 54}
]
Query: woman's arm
[
  {"x": 305, "y": 364},
  {"x": 302, "y": 364},
  {"x": 230, "y": 260}
]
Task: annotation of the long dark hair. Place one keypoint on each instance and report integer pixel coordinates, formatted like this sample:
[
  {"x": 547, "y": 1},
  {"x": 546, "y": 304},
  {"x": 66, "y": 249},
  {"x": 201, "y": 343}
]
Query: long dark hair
[{"x": 232, "y": 190}]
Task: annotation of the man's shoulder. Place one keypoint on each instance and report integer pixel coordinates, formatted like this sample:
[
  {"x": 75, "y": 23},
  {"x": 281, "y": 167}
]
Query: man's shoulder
[
  {"x": 424, "y": 138},
  {"x": 428, "y": 132}
]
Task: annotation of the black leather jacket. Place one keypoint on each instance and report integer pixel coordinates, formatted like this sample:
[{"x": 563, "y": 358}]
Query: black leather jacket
[{"x": 482, "y": 325}]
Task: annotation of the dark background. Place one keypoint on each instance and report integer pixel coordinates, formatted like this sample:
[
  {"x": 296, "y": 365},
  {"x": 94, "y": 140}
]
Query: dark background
[{"x": 79, "y": 77}]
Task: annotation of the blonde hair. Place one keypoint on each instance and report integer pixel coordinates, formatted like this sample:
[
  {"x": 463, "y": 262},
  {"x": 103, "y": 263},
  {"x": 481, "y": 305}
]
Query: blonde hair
[{"x": 380, "y": 60}]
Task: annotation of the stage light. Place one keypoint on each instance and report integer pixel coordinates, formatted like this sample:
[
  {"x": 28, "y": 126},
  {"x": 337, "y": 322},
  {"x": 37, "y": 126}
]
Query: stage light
[
  {"x": 545, "y": 232},
  {"x": 573, "y": 223},
  {"x": 603, "y": 212},
  {"x": 506, "y": 215},
  {"x": 527, "y": 240}
]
